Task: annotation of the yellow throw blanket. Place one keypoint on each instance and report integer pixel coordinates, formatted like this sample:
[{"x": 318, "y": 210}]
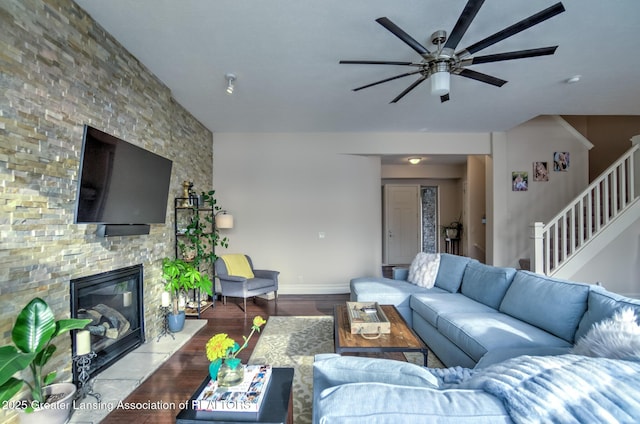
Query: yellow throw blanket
[{"x": 237, "y": 264}]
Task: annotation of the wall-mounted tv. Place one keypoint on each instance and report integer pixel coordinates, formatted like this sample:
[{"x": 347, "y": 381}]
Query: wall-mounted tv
[{"x": 120, "y": 184}]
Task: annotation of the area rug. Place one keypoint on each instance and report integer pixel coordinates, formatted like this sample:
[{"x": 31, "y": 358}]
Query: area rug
[{"x": 293, "y": 342}]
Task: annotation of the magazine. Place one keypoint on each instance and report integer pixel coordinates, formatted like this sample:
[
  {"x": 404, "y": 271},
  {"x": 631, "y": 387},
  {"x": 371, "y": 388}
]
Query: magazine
[{"x": 244, "y": 397}]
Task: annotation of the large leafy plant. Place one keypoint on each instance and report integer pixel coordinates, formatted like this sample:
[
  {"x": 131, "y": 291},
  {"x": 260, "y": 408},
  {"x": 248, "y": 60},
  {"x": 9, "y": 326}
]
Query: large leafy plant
[
  {"x": 201, "y": 233},
  {"x": 32, "y": 334},
  {"x": 180, "y": 276}
]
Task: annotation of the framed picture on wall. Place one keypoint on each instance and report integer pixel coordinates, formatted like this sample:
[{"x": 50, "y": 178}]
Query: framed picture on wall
[
  {"x": 561, "y": 161},
  {"x": 519, "y": 181},
  {"x": 540, "y": 171}
]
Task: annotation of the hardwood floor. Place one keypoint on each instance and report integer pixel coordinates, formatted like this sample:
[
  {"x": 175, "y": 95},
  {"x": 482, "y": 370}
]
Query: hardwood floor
[{"x": 176, "y": 380}]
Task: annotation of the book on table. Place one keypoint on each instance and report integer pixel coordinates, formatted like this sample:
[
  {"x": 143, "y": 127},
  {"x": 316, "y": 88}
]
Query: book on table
[{"x": 243, "y": 399}]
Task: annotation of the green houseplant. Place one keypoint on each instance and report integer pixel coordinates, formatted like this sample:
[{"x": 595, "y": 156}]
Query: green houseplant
[
  {"x": 201, "y": 235},
  {"x": 32, "y": 336},
  {"x": 181, "y": 276},
  {"x": 453, "y": 230}
]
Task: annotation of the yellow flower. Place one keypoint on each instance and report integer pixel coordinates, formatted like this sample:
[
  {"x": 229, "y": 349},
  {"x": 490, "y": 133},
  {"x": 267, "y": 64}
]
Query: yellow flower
[
  {"x": 222, "y": 346},
  {"x": 258, "y": 321},
  {"x": 218, "y": 345}
]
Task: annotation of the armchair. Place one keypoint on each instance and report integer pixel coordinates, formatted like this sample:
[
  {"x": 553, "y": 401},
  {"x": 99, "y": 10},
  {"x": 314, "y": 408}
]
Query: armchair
[{"x": 238, "y": 278}]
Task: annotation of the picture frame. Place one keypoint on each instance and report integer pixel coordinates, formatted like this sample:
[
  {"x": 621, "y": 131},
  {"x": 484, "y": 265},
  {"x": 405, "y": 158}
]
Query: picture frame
[
  {"x": 540, "y": 171},
  {"x": 561, "y": 161},
  {"x": 519, "y": 181}
]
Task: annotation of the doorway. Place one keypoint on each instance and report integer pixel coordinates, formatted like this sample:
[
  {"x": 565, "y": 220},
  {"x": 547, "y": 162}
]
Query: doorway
[{"x": 401, "y": 220}]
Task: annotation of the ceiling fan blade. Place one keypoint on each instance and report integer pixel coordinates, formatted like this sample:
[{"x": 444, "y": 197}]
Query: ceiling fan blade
[
  {"x": 408, "y": 89},
  {"x": 479, "y": 76},
  {"x": 376, "y": 62},
  {"x": 466, "y": 17},
  {"x": 387, "y": 80},
  {"x": 444, "y": 98},
  {"x": 513, "y": 29},
  {"x": 398, "y": 32},
  {"x": 520, "y": 54}
]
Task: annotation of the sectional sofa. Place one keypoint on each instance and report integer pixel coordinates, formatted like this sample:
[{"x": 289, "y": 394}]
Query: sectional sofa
[
  {"x": 508, "y": 338},
  {"x": 480, "y": 312}
]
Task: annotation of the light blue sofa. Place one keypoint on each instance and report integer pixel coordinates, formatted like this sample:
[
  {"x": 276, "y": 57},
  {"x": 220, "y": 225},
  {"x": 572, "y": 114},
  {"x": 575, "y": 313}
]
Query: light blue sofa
[
  {"x": 506, "y": 336},
  {"x": 481, "y": 312},
  {"x": 527, "y": 389}
]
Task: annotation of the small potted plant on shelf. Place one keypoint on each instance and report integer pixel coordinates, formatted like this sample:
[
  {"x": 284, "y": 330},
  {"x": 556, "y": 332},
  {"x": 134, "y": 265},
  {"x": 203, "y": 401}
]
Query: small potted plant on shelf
[
  {"x": 32, "y": 336},
  {"x": 453, "y": 231},
  {"x": 180, "y": 277}
]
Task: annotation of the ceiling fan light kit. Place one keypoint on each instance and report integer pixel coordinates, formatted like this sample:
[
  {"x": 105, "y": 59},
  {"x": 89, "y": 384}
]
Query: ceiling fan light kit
[{"x": 444, "y": 61}]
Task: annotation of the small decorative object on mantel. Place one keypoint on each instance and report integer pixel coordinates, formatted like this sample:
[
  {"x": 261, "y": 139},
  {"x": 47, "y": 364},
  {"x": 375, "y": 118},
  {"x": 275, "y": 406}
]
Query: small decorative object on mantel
[
  {"x": 187, "y": 193},
  {"x": 222, "y": 351}
]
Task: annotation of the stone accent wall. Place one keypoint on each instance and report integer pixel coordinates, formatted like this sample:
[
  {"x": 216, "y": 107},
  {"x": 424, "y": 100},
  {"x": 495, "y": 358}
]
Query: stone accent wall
[{"x": 59, "y": 70}]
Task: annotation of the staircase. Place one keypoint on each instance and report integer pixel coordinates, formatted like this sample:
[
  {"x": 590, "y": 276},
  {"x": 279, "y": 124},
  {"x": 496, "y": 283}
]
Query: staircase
[{"x": 601, "y": 212}]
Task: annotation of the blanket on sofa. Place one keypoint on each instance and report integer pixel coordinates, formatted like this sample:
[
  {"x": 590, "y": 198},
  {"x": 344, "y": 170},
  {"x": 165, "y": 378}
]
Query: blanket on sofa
[{"x": 563, "y": 389}]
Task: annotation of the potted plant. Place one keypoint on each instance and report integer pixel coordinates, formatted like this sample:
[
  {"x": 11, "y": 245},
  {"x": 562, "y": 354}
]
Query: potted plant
[
  {"x": 180, "y": 277},
  {"x": 453, "y": 231},
  {"x": 32, "y": 336},
  {"x": 202, "y": 235}
]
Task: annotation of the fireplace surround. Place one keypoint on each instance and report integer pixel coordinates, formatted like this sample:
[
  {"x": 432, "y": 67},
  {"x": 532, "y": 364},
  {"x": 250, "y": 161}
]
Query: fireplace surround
[{"x": 113, "y": 300}]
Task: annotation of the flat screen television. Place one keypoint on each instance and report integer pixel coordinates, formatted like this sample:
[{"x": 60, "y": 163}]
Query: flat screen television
[{"x": 120, "y": 184}]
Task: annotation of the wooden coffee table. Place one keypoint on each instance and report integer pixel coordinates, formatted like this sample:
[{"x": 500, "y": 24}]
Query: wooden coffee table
[{"x": 401, "y": 339}]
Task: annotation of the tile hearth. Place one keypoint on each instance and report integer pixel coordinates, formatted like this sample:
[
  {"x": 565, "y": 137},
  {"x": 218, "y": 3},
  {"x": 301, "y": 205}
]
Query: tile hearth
[{"x": 117, "y": 382}]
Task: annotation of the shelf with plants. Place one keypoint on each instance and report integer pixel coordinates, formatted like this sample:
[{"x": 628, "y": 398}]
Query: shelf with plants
[{"x": 196, "y": 240}]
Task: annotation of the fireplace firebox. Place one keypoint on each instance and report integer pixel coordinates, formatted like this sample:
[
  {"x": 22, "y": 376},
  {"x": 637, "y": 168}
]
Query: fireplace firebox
[{"x": 113, "y": 301}]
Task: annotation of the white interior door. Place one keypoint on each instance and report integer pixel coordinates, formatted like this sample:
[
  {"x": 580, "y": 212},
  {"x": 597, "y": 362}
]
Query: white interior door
[{"x": 402, "y": 223}]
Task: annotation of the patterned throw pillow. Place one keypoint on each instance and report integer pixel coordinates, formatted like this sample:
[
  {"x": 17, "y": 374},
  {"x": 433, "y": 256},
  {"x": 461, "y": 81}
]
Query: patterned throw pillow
[
  {"x": 615, "y": 338},
  {"x": 424, "y": 269}
]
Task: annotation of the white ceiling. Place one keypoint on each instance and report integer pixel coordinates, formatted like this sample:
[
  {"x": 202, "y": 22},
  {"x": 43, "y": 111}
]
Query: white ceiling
[{"x": 285, "y": 54}]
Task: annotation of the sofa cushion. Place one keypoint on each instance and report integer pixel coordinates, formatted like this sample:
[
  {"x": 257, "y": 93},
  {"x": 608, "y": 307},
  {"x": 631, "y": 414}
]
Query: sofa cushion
[
  {"x": 378, "y": 403},
  {"x": 477, "y": 333},
  {"x": 430, "y": 305},
  {"x": 549, "y": 303},
  {"x": 336, "y": 370},
  {"x": 451, "y": 271},
  {"x": 485, "y": 283},
  {"x": 385, "y": 291},
  {"x": 602, "y": 305}
]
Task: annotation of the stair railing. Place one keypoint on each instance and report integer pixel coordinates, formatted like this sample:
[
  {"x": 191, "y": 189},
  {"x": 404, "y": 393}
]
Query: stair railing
[{"x": 589, "y": 213}]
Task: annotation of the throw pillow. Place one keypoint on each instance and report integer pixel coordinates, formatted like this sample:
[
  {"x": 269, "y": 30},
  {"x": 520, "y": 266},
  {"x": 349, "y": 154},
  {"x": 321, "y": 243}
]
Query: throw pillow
[
  {"x": 615, "y": 338},
  {"x": 424, "y": 269}
]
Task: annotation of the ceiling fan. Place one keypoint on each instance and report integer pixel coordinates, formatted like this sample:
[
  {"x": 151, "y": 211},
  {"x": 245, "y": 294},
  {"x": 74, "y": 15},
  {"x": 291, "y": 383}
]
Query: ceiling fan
[{"x": 444, "y": 61}]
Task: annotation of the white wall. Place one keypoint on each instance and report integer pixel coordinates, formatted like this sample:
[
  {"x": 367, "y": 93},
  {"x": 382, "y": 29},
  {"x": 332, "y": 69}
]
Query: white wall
[
  {"x": 284, "y": 189},
  {"x": 617, "y": 266},
  {"x": 513, "y": 212}
]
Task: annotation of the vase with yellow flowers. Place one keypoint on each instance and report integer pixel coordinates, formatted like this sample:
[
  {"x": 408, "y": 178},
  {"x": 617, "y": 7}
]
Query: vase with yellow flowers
[{"x": 223, "y": 351}]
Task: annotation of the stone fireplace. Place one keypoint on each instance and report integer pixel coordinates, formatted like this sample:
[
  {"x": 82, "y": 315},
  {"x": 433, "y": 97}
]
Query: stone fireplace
[{"x": 113, "y": 300}]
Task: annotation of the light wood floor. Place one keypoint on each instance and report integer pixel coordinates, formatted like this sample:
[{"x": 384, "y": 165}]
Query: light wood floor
[{"x": 177, "y": 379}]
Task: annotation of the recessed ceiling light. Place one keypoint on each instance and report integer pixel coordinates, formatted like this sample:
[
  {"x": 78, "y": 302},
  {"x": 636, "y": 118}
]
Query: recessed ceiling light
[
  {"x": 573, "y": 79},
  {"x": 414, "y": 161}
]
